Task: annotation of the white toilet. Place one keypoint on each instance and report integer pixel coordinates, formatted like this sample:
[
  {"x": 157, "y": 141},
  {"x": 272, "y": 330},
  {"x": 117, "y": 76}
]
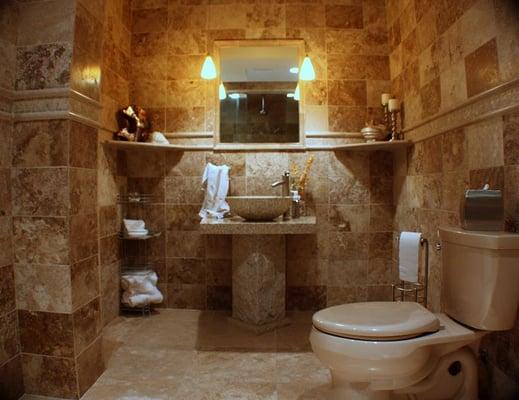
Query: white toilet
[{"x": 400, "y": 350}]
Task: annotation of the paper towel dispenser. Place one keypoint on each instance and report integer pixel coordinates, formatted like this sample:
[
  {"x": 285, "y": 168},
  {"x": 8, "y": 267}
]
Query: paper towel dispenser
[{"x": 483, "y": 210}]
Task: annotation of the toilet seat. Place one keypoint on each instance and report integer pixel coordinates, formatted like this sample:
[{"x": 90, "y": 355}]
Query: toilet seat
[{"x": 377, "y": 321}]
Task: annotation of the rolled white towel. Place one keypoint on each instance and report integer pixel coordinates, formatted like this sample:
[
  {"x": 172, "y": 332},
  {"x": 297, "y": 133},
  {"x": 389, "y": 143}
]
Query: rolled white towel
[
  {"x": 136, "y": 300},
  {"x": 155, "y": 297},
  {"x": 142, "y": 299},
  {"x": 139, "y": 282},
  {"x": 140, "y": 289}
]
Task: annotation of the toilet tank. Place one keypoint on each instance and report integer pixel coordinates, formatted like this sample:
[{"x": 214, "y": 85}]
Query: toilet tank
[{"x": 480, "y": 277}]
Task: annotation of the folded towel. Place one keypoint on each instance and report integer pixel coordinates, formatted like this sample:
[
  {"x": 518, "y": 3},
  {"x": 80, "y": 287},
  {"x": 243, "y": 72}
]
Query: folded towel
[
  {"x": 216, "y": 183},
  {"x": 134, "y": 225},
  {"x": 409, "y": 256}
]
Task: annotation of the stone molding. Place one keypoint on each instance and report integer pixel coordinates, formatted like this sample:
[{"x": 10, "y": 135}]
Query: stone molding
[
  {"x": 497, "y": 101},
  {"x": 48, "y": 104}
]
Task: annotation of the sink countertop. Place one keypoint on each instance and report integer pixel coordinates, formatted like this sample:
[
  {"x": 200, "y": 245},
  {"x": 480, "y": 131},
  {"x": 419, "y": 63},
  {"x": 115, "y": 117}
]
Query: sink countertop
[{"x": 238, "y": 226}]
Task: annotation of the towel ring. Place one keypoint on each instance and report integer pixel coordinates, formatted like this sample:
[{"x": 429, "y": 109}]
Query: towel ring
[{"x": 415, "y": 287}]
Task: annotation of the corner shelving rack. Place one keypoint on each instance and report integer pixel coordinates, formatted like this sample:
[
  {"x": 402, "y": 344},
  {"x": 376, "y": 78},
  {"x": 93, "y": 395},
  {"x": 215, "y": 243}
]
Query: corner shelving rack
[{"x": 134, "y": 205}]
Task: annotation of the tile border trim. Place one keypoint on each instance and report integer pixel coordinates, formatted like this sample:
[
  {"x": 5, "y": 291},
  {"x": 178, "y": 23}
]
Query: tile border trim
[
  {"x": 48, "y": 104},
  {"x": 497, "y": 101}
]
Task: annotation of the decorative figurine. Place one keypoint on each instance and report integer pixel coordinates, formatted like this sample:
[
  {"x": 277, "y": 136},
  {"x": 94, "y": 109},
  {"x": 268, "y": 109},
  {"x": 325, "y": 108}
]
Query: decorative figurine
[{"x": 134, "y": 125}]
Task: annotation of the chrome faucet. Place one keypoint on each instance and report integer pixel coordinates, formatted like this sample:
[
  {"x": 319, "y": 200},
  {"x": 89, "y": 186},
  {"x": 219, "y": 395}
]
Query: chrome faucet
[{"x": 285, "y": 190}]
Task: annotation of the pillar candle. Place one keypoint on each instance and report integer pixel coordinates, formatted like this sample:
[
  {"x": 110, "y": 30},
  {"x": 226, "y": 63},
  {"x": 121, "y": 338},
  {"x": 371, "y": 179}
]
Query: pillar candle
[
  {"x": 393, "y": 105},
  {"x": 385, "y": 98}
]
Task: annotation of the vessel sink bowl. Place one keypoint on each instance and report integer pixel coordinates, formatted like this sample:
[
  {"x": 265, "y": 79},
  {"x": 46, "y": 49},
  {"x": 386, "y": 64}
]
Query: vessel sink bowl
[{"x": 259, "y": 208}]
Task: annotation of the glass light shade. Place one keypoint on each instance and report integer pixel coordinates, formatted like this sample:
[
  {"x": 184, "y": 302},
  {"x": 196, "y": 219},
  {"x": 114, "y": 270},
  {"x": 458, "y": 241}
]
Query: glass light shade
[
  {"x": 307, "y": 72},
  {"x": 297, "y": 93},
  {"x": 208, "y": 69},
  {"x": 222, "y": 94}
]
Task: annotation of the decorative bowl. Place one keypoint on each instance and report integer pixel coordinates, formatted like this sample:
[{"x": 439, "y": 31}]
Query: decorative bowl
[{"x": 373, "y": 133}]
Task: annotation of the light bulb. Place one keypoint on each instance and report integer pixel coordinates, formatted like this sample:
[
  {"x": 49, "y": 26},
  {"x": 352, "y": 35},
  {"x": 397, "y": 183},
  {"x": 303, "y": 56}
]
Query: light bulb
[
  {"x": 307, "y": 72},
  {"x": 297, "y": 93},
  {"x": 221, "y": 92},
  {"x": 208, "y": 69}
]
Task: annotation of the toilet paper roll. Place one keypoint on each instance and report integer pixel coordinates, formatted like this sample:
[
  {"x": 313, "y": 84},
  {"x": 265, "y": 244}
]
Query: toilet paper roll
[{"x": 409, "y": 256}]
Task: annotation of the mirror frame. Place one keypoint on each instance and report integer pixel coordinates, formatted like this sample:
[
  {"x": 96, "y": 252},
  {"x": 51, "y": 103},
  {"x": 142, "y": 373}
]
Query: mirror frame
[{"x": 217, "y": 46}]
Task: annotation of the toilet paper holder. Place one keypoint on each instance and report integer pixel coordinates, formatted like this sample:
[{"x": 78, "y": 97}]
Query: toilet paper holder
[{"x": 413, "y": 288}]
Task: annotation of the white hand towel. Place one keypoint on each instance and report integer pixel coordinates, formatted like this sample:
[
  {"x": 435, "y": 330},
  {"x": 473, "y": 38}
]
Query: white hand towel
[
  {"x": 409, "y": 256},
  {"x": 216, "y": 183},
  {"x": 134, "y": 224}
]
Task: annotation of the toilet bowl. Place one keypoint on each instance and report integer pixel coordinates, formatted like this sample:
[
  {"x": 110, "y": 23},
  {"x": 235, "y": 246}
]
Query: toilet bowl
[
  {"x": 394, "y": 355},
  {"x": 401, "y": 350}
]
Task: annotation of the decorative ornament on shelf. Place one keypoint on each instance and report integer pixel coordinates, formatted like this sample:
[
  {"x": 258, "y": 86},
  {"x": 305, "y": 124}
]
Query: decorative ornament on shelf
[
  {"x": 133, "y": 123},
  {"x": 373, "y": 133},
  {"x": 299, "y": 181},
  {"x": 384, "y": 100},
  {"x": 393, "y": 106}
]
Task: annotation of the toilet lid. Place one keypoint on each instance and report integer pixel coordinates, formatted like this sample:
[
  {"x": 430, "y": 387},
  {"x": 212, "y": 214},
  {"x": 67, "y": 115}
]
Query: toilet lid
[{"x": 376, "y": 320}]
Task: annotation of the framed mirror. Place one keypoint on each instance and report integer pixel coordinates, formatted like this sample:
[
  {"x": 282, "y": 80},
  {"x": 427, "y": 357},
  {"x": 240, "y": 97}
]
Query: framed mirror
[{"x": 260, "y": 104}]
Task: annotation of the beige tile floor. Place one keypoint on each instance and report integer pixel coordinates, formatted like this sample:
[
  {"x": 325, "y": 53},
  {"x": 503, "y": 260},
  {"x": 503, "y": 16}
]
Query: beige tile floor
[{"x": 193, "y": 355}]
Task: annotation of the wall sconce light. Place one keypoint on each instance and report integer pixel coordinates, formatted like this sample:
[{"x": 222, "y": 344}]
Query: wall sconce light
[
  {"x": 222, "y": 94},
  {"x": 307, "y": 72},
  {"x": 208, "y": 69},
  {"x": 297, "y": 93}
]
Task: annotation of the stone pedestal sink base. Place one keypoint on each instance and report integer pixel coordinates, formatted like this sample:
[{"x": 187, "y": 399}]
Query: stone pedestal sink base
[{"x": 258, "y": 280}]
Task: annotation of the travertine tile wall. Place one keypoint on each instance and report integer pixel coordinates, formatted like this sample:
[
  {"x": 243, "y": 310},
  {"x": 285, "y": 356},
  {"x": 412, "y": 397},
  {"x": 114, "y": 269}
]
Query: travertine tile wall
[
  {"x": 443, "y": 53},
  {"x": 348, "y": 260},
  {"x": 11, "y": 376},
  {"x": 351, "y": 194},
  {"x": 347, "y": 43},
  {"x": 66, "y": 289},
  {"x": 54, "y": 211}
]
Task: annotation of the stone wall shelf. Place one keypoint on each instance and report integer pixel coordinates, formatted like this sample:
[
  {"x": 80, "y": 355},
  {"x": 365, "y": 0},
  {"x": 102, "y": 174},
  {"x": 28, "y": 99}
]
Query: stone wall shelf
[
  {"x": 155, "y": 146},
  {"x": 238, "y": 226},
  {"x": 374, "y": 146}
]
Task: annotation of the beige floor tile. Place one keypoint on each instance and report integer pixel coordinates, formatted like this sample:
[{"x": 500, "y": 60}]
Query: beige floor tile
[
  {"x": 294, "y": 337},
  {"x": 201, "y": 355},
  {"x": 298, "y": 391},
  {"x": 300, "y": 368},
  {"x": 137, "y": 389},
  {"x": 130, "y": 362},
  {"x": 196, "y": 390},
  {"x": 242, "y": 367}
]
